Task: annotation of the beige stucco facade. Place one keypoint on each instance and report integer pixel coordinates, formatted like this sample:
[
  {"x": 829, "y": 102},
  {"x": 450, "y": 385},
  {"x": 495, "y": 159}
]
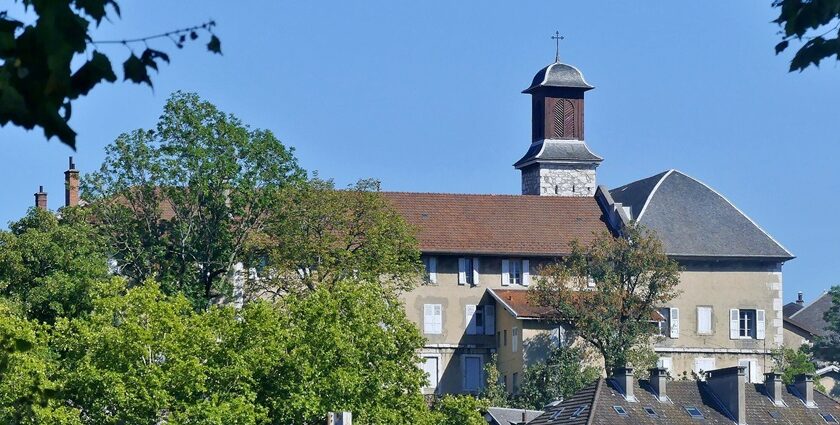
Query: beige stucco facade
[{"x": 720, "y": 286}]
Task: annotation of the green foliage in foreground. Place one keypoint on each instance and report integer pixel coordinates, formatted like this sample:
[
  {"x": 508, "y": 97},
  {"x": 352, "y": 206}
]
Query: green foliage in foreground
[
  {"x": 827, "y": 348},
  {"x": 791, "y": 362}
]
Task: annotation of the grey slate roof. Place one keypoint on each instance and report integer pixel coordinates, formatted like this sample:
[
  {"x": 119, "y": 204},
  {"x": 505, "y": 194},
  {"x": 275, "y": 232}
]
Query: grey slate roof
[
  {"x": 693, "y": 220},
  {"x": 599, "y": 398},
  {"x": 559, "y": 75},
  {"x": 810, "y": 317},
  {"x": 505, "y": 416},
  {"x": 555, "y": 150},
  {"x": 790, "y": 308}
]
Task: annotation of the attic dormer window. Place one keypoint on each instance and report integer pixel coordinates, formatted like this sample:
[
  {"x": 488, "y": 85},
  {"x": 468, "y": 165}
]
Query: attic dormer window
[{"x": 564, "y": 119}]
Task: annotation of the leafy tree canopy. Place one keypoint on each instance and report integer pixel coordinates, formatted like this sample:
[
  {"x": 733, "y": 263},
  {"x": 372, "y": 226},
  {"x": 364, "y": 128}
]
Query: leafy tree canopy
[
  {"x": 53, "y": 266},
  {"x": 177, "y": 204},
  {"x": 38, "y": 77},
  {"x": 790, "y": 362},
  {"x": 458, "y": 410},
  {"x": 817, "y": 23},
  {"x": 319, "y": 235},
  {"x": 633, "y": 277},
  {"x": 564, "y": 372}
]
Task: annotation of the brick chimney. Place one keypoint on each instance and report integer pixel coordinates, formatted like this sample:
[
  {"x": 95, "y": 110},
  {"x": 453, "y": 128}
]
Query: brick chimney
[
  {"x": 804, "y": 385},
  {"x": 728, "y": 386},
  {"x": 773, "y": 385},
  {"x": 71, "y": 185},
  {"x": 623, "y": 376},
  {"x": 658, "y": 380},
  {"x": 41, "y": 198}
]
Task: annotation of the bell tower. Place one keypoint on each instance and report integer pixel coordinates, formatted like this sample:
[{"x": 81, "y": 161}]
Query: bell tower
[{"x": 558, "y": 162}]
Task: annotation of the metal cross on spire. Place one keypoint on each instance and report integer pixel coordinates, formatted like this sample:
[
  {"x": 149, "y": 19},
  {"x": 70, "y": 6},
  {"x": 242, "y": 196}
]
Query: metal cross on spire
[{"x": 557, "y": 37}]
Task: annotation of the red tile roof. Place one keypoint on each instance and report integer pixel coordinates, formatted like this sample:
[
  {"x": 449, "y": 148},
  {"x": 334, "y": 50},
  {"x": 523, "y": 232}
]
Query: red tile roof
[
  {"x": 519, "y": 300},
  {"x": 499, "y": 224}
]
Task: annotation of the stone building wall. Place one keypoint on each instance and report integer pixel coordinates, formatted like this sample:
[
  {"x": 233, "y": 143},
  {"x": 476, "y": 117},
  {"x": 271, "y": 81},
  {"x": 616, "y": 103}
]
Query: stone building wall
[{"x": 559, "y": 180}]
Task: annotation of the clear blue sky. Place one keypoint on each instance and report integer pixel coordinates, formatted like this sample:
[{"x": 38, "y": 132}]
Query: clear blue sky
[{"x": 425, "y": 96}]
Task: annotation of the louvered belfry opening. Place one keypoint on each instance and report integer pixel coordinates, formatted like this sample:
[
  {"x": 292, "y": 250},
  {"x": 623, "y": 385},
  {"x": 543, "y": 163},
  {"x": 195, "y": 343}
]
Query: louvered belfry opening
[{"x": 564, "y": 119}]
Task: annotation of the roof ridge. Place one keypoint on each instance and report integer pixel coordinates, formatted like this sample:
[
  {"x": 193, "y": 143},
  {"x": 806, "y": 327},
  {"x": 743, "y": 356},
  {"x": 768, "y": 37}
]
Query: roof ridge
[
  {"x": 499, "y": 195},
  {"x": 653, "y": 192},
  {"x": 810, "y": 304}
]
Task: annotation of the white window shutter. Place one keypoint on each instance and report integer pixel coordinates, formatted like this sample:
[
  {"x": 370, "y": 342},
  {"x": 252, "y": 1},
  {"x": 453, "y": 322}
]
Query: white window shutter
[
  {"x": 704, "y": 320},
  {"x": 470, "y": 316},
  {"x": 490, "y": 319},
  {"x": 754, "y": 372},
  {"x": 733, "y": 324},
  {"x": 428, "y": 312},
  {"x": 462, "y": 273},
  {"x": 526, "y": 272},
  {"x": 432, "y": 319},
  {"x": 505, "y": 272},
  {"x": 475, "y": 271},
  {"x": 666, "y": 363},
  {"x": 433, "y": 269},
  {"x": 675, "y": 323},
  {"x": 759, "y": 324}
]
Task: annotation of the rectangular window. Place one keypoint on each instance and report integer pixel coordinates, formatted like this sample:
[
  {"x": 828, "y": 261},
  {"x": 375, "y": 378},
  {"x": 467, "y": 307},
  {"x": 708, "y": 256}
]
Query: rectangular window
[
  {"x": 432, "y": 319},
  {"x": 704, "y": 320},
  {"x": 750, "y": 369},
  {"x": 514, "y": 340},
  {"x": 702, "y": 365},
  {"x": 515, "y": 272},
  {"x": 472, "y": 373},
  {"x": 498, "y": 339},
  {"x": 746, "y": 323},
  {"x": 505, "y": 338},
  {"x": 430, "y": 264},
  {"x": 430, "y": 367},
  {"x": 468, "y": 271},
  {"x": 663, "y": 328},
  {"x": 515, "y": 382}
]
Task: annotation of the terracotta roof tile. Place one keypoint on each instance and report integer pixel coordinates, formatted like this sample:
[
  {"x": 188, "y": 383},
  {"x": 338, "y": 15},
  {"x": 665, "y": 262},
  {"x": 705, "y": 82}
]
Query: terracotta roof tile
[{"x": 499, "y": 224}]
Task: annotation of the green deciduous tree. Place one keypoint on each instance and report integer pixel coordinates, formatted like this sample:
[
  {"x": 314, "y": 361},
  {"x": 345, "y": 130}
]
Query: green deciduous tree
[
  {"x": 53, "y": 266},
  {"x": 790, "y": 362},
  {"x": 633, "y": 277},
  {"x": 494, "y": 393},
  {"x": 351, "y": 348},
  {"x": 827, "y": 347},
  {"x": 178, "y": 203},
  {"x": 47, "y": 64},
  {"x": 318, "y": 236},
  {"x": 27, "y": 373},
  {"x": 458, "y": 410},
  {"x": 145, "y": 357},
  {"x": 563, "y": 373},
  {"x": 817, "y": 22}
]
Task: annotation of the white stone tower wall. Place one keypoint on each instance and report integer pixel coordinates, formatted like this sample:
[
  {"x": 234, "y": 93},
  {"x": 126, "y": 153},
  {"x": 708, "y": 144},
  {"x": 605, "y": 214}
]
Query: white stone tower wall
[{"x": 548, "y": 179}]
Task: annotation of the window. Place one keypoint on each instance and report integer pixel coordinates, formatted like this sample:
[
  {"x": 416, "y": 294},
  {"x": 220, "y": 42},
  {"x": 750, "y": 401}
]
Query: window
[
  {"x": 504, "y": 382},
  {"x": 703, "y": 364},
  {"x": 432, "y": 319},
  {"x": 828, "y": 418},
  {"x": 557, "y": 413},
  {"x": 472, "y": 372},
  {"x": 746, "y": 324},
  {"x": 671, "y": 326},
  {"x": 504, "y": 340},
  {"x": 751, "y": 369},
  {"x": 515, "y": 276},
  {"x": 468, "y": 271},
  {"x": 578, "y": 411},
  {"x": 514, "y": 340},
  {"x": 666, "y": 363},
  {"x": 475, "y": 319},
  {"x": 430, "y": 367},
  {"x": 515, "y": 382},
  {"x": 652, "y": 413},
  {"x": 498, "y": 339},
  {"x": 694, "y": 412},
  {"x": 620, "y": 410},
  {"x": 704, "y": 320},
  {"x": 430, "y": 264}
]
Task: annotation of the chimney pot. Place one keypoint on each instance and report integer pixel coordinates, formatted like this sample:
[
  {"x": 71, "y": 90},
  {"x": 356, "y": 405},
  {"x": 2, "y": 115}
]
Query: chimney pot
[
  {"x": 659, "y": 380},
  {"x": 799, "y": 299},
  {"x": 773, "y": 385},
  {"x": 728, "y": 385},
  {"x": 804, "y": 384},
  {"x": 624, "y": 377}
]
